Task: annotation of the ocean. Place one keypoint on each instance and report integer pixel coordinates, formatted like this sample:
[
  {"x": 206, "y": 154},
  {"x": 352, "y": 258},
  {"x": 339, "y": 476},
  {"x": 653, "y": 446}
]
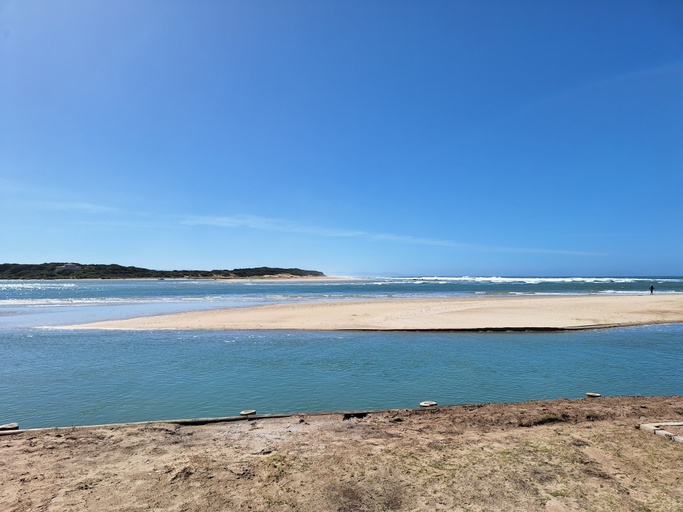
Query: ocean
[{"x": 71, "y": 377}]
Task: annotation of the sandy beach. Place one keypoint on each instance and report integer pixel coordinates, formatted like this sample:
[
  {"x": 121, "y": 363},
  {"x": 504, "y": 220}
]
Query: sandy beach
[
  {"x": 550, "y": 456},
  {"x": 471, "y": 313}
]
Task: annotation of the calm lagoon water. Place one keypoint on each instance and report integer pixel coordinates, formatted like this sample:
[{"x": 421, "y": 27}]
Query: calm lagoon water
[{"x": 70, "y": 377}]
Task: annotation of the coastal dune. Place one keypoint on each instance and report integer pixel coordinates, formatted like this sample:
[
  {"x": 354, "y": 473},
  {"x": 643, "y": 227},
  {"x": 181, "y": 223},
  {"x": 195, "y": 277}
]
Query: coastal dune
[{"x": 433, "y": 314}]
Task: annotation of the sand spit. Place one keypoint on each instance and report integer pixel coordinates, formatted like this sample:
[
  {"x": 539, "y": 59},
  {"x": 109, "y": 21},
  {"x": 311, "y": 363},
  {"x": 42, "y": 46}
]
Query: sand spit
[{"x": 472, "y": 313}]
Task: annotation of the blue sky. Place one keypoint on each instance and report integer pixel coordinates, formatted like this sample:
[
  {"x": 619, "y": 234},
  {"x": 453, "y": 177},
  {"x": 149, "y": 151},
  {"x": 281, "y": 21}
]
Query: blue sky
[{"x": 353, "y": 137}]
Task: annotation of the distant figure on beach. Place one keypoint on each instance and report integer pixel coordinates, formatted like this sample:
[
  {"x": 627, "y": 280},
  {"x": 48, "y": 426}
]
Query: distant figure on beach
[{"x": 652, "y": 289}]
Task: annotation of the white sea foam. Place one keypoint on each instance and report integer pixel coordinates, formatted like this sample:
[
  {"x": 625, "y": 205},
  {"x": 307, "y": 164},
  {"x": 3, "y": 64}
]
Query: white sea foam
[
  {"x": 112, "y": 301},
  {"x": 526, "y": 280},
  {"x": 35, "y": 285},
  {"x": 632, "y": 292}
]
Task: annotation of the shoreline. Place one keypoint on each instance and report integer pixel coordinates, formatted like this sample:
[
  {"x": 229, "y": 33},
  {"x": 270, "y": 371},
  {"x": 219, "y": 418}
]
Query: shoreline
[
  {"x": 537, "y": 313},
  {"x": 274, "y": 279},
  {"x": 346, "y": 414},
  {"x": 555, "y": 455}
]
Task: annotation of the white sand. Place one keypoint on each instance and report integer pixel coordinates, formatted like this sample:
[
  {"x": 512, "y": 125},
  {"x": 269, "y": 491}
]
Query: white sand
[{"x": 480, "y": 313}]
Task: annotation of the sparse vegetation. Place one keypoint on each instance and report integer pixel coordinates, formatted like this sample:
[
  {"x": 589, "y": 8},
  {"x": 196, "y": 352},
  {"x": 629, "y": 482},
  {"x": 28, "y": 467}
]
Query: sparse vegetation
[{"x": 474, "y": 458}]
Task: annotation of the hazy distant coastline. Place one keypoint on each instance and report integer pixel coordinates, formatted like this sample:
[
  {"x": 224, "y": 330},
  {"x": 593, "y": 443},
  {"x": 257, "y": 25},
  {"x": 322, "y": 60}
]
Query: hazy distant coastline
[{"x": 113, "y": 271}]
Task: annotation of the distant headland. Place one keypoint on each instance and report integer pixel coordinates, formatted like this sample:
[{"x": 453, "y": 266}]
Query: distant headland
[{"x": 113, "y": 271}]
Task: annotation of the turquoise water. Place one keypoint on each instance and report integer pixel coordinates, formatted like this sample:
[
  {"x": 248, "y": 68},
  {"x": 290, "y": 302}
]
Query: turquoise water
[
  {"x": 71, "y": 378},
  {"x": 63, "y": 378}
]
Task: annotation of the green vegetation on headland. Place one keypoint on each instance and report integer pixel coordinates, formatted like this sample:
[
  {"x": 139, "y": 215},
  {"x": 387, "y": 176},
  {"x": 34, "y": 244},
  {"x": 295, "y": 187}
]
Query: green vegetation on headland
[{"x": 79, "y": 271}]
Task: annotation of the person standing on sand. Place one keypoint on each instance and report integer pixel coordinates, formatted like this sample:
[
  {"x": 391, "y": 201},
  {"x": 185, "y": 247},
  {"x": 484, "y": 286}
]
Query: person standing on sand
[{"x": 652, "y": 289}]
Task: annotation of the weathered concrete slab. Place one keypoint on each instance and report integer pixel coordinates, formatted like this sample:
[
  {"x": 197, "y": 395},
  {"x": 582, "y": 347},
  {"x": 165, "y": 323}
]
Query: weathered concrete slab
[{"x": 660, "y": 429}]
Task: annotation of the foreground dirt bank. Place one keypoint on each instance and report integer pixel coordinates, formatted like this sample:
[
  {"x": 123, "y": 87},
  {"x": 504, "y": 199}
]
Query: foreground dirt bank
[
  {"x": 554, "y": 455},
  {"x": 470, "y": 313}
]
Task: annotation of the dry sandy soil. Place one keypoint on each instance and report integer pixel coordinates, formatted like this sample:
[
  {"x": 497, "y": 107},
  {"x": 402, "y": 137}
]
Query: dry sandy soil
[{"x": 555, "y": 455}]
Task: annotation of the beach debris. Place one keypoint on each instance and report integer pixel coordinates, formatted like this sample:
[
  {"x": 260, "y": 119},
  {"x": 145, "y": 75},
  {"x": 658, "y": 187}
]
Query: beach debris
[
  {"x": 593, "y": 395},
  {"x": 10, "y": 426},
  {"x": 248, "y": 412},
  {"x": 354, "y": 415},
  {"x": 428, "y": 403},
  {"x": 669, "y": 430}
]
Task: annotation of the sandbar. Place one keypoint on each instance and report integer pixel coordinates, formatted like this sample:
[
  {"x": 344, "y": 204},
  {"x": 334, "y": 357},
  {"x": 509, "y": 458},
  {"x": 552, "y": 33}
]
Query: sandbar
[{"x": 426, "y": 314}]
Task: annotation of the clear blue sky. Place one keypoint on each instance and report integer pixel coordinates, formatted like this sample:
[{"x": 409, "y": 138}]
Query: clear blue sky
[{"x": 356, "y": 137}]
